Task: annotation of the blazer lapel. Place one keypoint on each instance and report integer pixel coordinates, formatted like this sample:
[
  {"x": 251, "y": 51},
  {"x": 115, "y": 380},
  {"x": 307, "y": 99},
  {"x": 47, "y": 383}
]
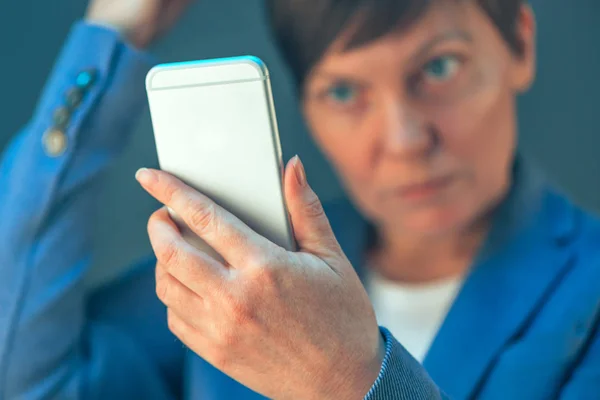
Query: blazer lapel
[
  {"x": 521, "y": 262},
  {"x": 525, "y": 255}
]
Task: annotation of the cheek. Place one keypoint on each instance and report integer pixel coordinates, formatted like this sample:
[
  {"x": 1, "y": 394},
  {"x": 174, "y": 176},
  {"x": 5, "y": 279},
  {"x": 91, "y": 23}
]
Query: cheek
[
  {"x": 479, "y": 133},
  {"x": 348, "y": 146}
]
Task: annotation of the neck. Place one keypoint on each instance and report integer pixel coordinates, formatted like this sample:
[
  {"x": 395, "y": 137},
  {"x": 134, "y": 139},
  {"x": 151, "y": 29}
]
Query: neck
[{"x": 409, "y": 258}]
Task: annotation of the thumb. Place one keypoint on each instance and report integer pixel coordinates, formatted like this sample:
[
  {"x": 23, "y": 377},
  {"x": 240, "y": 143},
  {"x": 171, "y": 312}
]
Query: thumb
[{"x": 311, "y": 226}]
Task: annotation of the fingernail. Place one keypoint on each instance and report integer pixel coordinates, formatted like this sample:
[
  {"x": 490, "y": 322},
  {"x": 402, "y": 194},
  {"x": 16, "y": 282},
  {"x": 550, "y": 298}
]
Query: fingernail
[
  {"x": 299, "y": 170},
  {"x": 144, "y": 176}
]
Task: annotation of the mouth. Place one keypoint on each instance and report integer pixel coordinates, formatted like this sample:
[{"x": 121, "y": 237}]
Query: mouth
[{"x": 423, "y": 190}]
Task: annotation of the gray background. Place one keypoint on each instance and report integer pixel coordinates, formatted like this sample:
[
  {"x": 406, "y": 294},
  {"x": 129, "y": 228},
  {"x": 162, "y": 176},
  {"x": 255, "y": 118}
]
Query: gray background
[{"x": 557, "y": 118}]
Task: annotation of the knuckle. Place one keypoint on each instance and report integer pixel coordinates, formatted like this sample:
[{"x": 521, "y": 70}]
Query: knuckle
[
  {"x": 314, "y": 208},
  {"x": 153, "y": 220},
  {"x": 170, "y": 192},
  {"x": 228, "y": 339},
  {"x": 162, "y": 289},
  {"x": 257, "y": 261},
  {"x": 220, "y": 358},
  {"x": 168, "y": 254},
  {"x": 242, "y": 314},
  {"x": 264, "y": 277},
  {"x": 173, "y": 323},
  {"x": 153, "y": 217},
  {"x": 202, "y": 217},
  {"x": 237, "y": 310}
]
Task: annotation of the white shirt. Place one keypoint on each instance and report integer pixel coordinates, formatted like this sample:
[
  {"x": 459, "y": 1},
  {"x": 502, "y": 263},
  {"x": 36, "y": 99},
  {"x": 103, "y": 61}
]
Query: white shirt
[{"x": 413, "y": 313}]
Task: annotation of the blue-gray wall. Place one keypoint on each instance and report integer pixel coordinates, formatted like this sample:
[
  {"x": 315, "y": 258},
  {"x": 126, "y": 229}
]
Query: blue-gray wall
[{"x": 558, "y": 117}]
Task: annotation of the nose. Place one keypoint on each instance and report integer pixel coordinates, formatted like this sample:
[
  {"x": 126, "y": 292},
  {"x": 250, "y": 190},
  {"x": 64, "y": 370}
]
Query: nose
[{"x": 405, "y": 134}]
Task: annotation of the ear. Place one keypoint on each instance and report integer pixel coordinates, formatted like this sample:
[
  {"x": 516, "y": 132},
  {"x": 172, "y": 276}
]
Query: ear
[{"x": 525, "y": 63}]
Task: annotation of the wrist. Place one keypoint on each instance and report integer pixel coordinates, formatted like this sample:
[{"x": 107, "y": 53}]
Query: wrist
[
  {"x": 354, "y": 379},
  {"x": 369, "y": 371},
  {"x": 124, "y": 34},
  {"x": 105, "y": 25}
]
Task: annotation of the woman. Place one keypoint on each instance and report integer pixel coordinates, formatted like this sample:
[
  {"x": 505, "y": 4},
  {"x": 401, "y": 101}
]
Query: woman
[{"x": 486, "y": 280}]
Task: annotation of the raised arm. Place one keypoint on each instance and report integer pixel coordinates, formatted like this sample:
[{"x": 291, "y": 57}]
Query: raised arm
[{"x": 50, "y": 343}]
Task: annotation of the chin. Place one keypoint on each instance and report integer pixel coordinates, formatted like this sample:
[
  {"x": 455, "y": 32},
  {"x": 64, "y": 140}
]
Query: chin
[{"x": 435, "y": 221}]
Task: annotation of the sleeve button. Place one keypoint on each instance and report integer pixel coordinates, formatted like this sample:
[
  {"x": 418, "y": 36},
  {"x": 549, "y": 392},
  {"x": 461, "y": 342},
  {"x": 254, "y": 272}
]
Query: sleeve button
[
  {"x": 85, "y": 79},
  {"x": 62, "y": 116},
  {"x": 55, "y": 142},
  {"x": 73, "y": 97}
]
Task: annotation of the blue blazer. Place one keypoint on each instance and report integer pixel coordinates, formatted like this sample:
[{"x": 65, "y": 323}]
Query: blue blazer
[{"x": 525, "y": 325}]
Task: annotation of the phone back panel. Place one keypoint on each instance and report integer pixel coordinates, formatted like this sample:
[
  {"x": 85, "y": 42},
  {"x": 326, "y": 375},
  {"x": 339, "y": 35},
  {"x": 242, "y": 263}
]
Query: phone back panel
[{"x": 215, "y": 129}]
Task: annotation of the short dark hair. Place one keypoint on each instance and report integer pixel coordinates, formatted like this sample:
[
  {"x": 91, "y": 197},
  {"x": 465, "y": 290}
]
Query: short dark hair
[{"x": 305, "y": 29}]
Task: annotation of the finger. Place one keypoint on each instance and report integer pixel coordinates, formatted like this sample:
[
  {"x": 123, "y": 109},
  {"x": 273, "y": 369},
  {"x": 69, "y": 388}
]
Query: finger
[
  {"x": 311, "y": 226},
  {"x": 173, "y": 12},
  {"x": 195, "y": 269},
  {"x": 175, "y": 295},
  {"x": 225, "y": 233},
  {"x": 190, "y": 335},
  {"x": 214, "y": 352},
  {"x": 184, "y": 331}
]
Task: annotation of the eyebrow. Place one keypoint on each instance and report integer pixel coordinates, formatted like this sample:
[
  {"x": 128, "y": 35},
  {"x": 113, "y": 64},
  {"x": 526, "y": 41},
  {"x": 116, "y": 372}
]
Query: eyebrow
[
  {"x": 450, "y": 35},
  {"x": 337, "y": 77},
  {"x": 420, "y": 54}
]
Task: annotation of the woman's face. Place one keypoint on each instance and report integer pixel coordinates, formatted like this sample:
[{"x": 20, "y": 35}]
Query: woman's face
[{"x": 420, "y": 125}]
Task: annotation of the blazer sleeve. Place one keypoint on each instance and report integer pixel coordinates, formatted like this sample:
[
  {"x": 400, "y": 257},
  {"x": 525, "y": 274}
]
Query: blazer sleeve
[
  {"x": 49, "y": 345},
  {"x": 401, "y": 376}
]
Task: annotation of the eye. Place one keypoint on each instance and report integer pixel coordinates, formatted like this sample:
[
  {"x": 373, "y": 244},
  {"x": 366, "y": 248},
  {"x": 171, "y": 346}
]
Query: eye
[
  {"x": 343, "y": 93},
  {"x": 441, "y": 69}
]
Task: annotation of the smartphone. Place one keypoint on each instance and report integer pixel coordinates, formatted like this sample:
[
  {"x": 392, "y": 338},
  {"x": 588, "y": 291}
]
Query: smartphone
[{"x": 215, "y": 129}]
